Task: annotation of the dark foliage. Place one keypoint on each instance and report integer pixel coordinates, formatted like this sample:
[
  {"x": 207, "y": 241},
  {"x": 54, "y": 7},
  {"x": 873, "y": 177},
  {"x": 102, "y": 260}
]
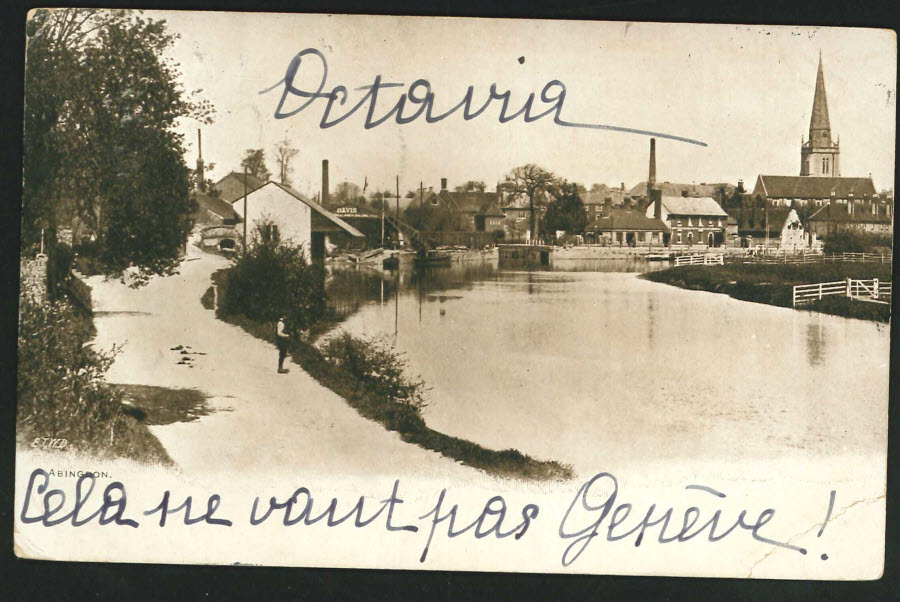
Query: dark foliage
[
  {"x": 61, "y": 392},
  {"x": 60, "y": 264},
  {"x": 857, "y": 242},
  {"x": 274, "y": 278},
  {"x": 566, "y": 213},
  {"x": 100, "y": 144}
]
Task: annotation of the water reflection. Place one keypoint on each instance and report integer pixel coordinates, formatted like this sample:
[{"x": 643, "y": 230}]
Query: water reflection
[
  {"x": 588, "y": 364},
  {"x": 815, "y": 341}
]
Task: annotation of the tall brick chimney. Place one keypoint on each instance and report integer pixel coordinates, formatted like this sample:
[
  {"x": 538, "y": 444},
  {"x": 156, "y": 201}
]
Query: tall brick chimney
[
  {"x": 443, "y": 183},
  {"x": 324, "y": 181},
  {"x": 201, "y": 176},
  {"x": 654, "y": 196}
]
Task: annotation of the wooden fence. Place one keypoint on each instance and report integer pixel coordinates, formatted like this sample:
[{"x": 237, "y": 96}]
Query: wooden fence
[
  {"x": 708, "y": 259},
  {"x": 864, "y": 290},
  {"x": 804, "y": 258}
]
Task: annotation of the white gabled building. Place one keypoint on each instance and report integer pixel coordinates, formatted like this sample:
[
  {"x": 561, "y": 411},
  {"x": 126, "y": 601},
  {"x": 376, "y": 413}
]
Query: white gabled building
[{"x": 297, "y": 218}]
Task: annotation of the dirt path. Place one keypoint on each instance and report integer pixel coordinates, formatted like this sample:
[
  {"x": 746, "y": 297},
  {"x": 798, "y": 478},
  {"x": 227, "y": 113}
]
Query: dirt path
[{"x": 261, "y": 421}]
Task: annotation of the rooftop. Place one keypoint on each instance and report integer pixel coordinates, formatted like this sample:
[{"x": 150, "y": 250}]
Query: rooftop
[
  {"x": 812, "y": 187},
  {"x": 626, "y": 219},
  {"x": 679, "y": 205}
]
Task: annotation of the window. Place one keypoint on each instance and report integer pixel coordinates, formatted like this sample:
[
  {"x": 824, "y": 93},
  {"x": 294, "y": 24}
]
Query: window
[
  {"x": 689, "y": 222},
  {"x": 679, "y": 222},
  {"x": 270, "y": 233},
  {"x": 679, "y": 238}
]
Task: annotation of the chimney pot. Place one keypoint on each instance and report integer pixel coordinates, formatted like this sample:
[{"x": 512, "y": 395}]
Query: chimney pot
[{"x": 443, "y": 183}]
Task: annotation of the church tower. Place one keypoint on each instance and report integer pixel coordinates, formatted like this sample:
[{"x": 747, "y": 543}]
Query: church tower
[{"x": 820, "y": 156}]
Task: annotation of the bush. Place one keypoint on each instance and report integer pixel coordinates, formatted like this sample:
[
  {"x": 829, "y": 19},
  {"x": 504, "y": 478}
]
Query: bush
[
  {"x": 377, "y": 367},
  {"x": 274, "y": 278},
  {"x": 62, "y": 258},
  {"x": 856, "y": 242},
  {"x": 61, "y": 391}
]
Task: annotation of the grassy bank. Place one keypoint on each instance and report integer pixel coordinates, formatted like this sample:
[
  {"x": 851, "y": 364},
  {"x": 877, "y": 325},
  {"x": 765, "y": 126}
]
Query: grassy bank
[
  {"x": 772, "y": 284},
  {"x": 61, "y": 391},
  {"x": 389, "y": 398}
]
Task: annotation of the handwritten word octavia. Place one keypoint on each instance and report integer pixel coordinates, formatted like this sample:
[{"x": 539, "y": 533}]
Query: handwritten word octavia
[{"x": 418, "y": 101}]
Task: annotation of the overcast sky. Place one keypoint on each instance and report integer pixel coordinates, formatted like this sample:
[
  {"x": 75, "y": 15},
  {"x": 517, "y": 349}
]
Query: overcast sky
[{"x": 745, "y": 91}]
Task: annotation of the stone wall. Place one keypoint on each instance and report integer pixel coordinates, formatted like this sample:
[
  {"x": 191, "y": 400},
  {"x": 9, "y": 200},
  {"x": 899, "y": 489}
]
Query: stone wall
[{"x": 33, "y": 277}]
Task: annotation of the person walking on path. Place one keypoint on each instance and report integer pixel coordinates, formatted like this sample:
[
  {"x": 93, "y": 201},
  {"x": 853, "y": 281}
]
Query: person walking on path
[{"x": 281, "y": 339}]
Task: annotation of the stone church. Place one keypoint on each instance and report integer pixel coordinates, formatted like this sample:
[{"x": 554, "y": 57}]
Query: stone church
[
  {"x": 825, "y": 201},
  {"x": 820, "y": 155}
]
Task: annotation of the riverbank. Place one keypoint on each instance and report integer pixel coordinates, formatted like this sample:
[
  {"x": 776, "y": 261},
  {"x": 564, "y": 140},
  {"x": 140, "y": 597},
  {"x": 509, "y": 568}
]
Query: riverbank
[
  {"x": 372, "y": 403},
  {"x": 63, "y": 402},
  {"x": 772, "y": 284}
]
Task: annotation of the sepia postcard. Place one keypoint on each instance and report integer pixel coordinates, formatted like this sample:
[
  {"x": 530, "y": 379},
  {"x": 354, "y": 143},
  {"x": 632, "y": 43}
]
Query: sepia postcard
[{"x": 455, "y": 294}]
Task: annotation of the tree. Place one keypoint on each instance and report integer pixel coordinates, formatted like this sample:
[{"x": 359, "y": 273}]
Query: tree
[
  {"x": 566, "y": 212},
  {"x": 254, "y": 162},
  {"x": 534, "y": 183},
  {"x": 284, "y": 153},
  {"x": 55, "y": 40},
  {"x": 274, "y": 278},
  {"x": 102, "y": 100},
  {"x": 347, "y": 192},
  {"x": 470, "y": 186}
]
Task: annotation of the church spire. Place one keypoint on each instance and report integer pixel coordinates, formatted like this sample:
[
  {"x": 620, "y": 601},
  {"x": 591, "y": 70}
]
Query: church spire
[{"x": 819, "y": 124}]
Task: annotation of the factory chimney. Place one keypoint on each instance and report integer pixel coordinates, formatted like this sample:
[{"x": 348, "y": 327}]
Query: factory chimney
[
  {"x": 324, "y": 181},
  {"x": 201, "y": 177},
  {"x": 653, "y": 195}
]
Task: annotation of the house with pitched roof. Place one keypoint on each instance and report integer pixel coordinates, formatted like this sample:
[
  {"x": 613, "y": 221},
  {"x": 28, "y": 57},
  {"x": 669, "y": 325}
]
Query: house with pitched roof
[
  {"x": 780, "y": 226},
  {"x": 692, "y": 220},
  {"x": 626, "y": 226},
  {"x": 293, "y": 217},
  {"x": 212, "y": 210},
  {"x": 471, "y": 210},
  {"x": 231, "y": 187}
]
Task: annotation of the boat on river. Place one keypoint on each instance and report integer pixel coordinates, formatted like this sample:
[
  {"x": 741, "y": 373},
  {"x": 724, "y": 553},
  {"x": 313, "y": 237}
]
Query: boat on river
[{"x": 432, "y": 258}]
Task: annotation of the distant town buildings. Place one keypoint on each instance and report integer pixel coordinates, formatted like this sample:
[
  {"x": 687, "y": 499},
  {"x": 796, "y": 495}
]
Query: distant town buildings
[
  {"x": 692, "y": 220},
  {"x": 790, "y": 212},
  {"x": 469, "y": 210}
]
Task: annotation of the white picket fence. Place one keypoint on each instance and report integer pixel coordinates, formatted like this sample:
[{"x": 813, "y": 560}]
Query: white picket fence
[
  {"x": 707, "y": 259},
  {"x": 811, "y": 257},
  {"x": 864, "y": 290}
]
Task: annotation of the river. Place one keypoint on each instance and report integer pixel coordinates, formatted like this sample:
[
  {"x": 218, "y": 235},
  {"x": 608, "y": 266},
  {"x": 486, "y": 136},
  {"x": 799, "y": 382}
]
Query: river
[{"x": 588, "y": 364}]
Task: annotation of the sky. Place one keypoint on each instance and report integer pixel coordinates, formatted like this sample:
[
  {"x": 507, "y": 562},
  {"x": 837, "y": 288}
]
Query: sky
[{"x": 746, "y": 91}]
